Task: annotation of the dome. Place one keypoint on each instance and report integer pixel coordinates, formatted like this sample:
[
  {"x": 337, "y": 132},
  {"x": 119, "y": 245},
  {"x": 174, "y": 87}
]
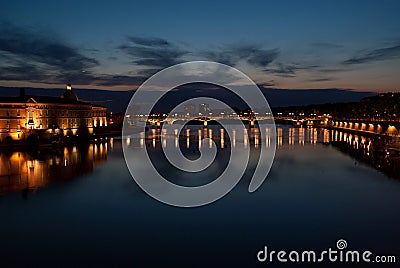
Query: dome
[{"x": 69, "y": 94}]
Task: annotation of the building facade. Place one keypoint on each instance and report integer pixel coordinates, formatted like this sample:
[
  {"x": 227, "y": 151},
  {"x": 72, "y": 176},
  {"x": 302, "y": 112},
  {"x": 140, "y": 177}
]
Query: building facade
[{"x": 25, "y": 115}]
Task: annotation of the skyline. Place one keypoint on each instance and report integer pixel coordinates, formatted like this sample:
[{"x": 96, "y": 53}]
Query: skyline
[{"x": 279, "y": 45}]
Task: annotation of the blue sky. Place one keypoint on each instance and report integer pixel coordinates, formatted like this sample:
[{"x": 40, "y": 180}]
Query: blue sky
[{"x": 281, "y": 44}]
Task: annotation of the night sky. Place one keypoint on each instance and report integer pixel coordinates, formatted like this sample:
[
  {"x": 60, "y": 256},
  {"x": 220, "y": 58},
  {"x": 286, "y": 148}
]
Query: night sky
[{"x": 279, "y": 44}]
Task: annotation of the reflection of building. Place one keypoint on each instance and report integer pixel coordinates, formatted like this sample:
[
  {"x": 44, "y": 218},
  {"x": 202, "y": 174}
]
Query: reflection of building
[
  {"x": 20, "y": 116},
  {"x": 22, "y": 171},
  {"x": 190, "y": 109},
  {"x": 204, "y": 109}
]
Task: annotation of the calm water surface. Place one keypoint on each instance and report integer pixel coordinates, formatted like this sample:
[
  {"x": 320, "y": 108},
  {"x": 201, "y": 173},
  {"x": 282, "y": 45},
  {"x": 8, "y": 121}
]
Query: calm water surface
[{"x": 79, "y": 206}]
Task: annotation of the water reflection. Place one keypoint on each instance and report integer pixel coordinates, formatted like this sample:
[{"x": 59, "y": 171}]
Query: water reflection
[
  {"x": 23, "y": 171},
  {"x": 368, "y": 150},
  {"x": 373, "y": 151},
  {"x": 30, "y": 171},
  {"x": 240, "y": 137},
  {"x": 314, "y": 195}
]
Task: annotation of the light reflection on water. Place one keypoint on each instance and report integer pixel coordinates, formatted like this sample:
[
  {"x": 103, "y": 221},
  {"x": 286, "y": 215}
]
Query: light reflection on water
[
  {"x": 242, "y": 137},
  {"x": 313, "y": 196},
  {"x": 30, "y": 171},
  {"x": 26, "y": 171}
]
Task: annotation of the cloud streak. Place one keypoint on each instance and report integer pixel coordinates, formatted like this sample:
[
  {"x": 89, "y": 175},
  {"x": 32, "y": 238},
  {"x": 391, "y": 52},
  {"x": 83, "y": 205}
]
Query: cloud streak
[
  {"x": 23, "y": 71},
  {"x": 150, "y": 41},
  {"x": 26, "y": 56},
  {"x": 326, "y": 45},
  {"x": 30, "y": 47},
  {"x": 152, "y": 52},
  {"x": 287, "y": 70},
  {"x": 323, "y": 79},
  {"x": 379, "y": 54},
  {"x": 233, "y": 54},
  {"x": 32, "y": 57}
]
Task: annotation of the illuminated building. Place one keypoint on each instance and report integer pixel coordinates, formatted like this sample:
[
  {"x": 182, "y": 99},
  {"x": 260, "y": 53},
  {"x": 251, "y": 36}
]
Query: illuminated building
[
  {"x": 190, "y": 109},
  {"x": 204, "y": 108},
  {"x": 25, "y": 115}
]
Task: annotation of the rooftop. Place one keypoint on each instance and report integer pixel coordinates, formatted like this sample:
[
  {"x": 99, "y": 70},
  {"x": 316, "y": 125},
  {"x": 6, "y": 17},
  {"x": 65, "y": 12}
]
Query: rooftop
[{"x": 41, "y": 99}]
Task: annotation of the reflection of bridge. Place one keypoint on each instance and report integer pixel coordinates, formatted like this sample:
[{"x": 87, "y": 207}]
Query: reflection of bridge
[{"x": 234, "y": 136}]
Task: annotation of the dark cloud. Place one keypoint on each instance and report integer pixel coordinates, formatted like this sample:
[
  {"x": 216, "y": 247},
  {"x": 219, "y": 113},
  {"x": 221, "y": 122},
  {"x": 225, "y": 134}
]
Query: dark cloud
[
  {"x": 233, "y": 54},
  {"x": 270, "y": 83},
  {"x": 27, "y": 56},
  {"x": 283, "y": 69},
  {"x": 30, "y": 56},
  {"x": 332, "y": 70},
  {"x": 153, "y": 52},
  {"x": 34, "y": 48},
  {"x": 263, "y": 58},
  {"x": 221, "y": 57},
  {"x": 376, "y": 55},
  {"x": 326, "y": 45},
  {"x": 323, "y": 79},
  {"x": 114, "y": 80},
  {"x": 22, "y": 71},
  {"x": 288, "y": 70},
  {"x": 148, "y": 72},
  {"x": 151, "y": 41},
  {"x": 80, "y": 78},
  {"x": 101, "y": 79}
]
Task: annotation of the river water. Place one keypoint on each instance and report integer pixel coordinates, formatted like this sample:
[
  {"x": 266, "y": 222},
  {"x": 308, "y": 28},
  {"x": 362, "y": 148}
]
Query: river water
[{"x": 79, "y": 206}]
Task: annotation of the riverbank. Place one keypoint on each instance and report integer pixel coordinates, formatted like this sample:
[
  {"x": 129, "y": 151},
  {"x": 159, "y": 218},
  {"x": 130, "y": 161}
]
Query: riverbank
[{"x": 99, "y": 135}]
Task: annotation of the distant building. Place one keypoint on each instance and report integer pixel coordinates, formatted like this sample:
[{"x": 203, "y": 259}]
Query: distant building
[
  {"x": 25, "y": 115},
  {"x": 190, "y": 109},
  {"x": 204, "y": 109}
]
